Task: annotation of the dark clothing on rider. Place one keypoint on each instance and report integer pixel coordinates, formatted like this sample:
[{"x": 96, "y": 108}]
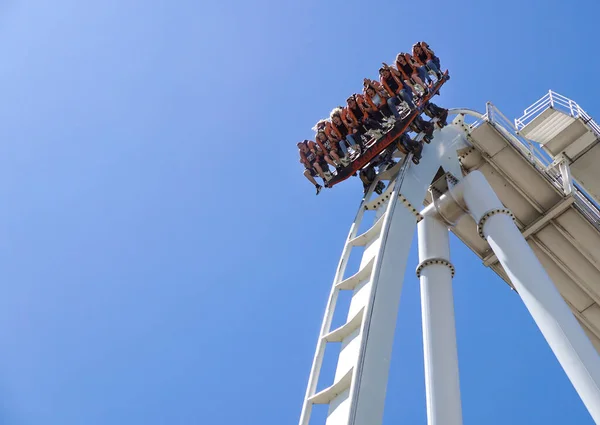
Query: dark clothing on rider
[
  {"x": 356, "y": 111},
  {"x": 342, "y": 129},
  {"x": 392, "y": 84},
  {"x": 408, "y": 69},
  {"x": 422, "y": 56}
]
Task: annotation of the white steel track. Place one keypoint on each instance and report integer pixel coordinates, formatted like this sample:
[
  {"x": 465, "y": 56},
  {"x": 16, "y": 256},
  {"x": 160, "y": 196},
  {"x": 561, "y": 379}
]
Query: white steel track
[{"x": 358, "y": 392}]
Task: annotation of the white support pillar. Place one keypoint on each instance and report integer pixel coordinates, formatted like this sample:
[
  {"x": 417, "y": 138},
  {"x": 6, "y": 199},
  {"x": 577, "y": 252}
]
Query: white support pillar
[
  {"x": 563, "y": 333},
  {"x": 439, "y": 333}
]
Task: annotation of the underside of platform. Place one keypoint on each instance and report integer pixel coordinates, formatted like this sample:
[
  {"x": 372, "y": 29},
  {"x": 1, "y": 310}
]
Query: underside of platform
[{"x": 555, "y": 225}]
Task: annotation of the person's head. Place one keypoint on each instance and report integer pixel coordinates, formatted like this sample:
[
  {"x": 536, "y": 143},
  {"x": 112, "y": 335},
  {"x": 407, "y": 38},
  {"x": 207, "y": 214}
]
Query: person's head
[
  {"x": 370, "y": 91},
  {"x": 303, "y": 146},
  {"x": 417, "y": 48},
  {"x": 351, "y": 101},
  {"x": 320, "y": 125},
  {"x": 384, "y": 72},
  {"x": 336, "y": 112},
  {"x": 321, "y": 136},
  {"x": 400, "y": 59}
]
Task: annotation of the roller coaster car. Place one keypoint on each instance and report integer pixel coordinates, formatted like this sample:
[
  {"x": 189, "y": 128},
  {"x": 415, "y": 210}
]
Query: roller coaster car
[{"x": 377, "y": 146}]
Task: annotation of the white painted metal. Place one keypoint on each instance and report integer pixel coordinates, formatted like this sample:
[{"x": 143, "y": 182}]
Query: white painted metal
[
  {"x": 439, "y": 332},
  {"x": 357, "y": 394},
  {"x": 560, "y": 222},
  {"x": 563, "y": 333},
  {"x": 563, "y": 230},
  {"x": 566, "y": 131}
]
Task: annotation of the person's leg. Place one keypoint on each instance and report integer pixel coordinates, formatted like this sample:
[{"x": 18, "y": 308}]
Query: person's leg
[
  {"x": 436, "y": 60},
  {"x": 386, "y": 111},
  {"x": 392, "y": 102},
  {"x": 424, "y": 75},
  {"x": 371, "y": 123},
  {"x": 333, "y": 155},
  {"x": 309, "y": 176},
  {"x": 406, "y": 95},
  {"x": 409, "y": 84},
  {"x": 342, "y": 146},
  {"x": 319, "y": 170},
  {"x": 416, "y": 77},
  {"x": 351, "y": 138},
  {"x": 434, "y": 68}
]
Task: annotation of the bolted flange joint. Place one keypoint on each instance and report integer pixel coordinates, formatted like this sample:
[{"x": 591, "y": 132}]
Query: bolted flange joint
[
  {"x": 489, "y": 214},
  {"x": 431, "y": 261}
]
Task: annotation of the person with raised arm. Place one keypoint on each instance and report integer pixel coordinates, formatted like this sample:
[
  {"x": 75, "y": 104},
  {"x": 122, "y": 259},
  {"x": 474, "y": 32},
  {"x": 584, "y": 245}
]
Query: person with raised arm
[
  {"x": 332, "y": 151},
  {"x": 391, "y": 81},
  {"x": 308, "y": 158},
  {"x": 411, "y": 73},
  {"x": 340, "y": 131},
  {"x": 424, "y": 57},
  {"x": 377, "y": 101}
]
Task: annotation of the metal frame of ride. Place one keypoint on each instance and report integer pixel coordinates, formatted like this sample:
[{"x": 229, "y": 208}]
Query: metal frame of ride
[{"x": 357, "y": 394}]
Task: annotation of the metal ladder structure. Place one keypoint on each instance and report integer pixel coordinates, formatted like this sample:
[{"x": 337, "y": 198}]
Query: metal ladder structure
[{"x": 461, "y": 186}]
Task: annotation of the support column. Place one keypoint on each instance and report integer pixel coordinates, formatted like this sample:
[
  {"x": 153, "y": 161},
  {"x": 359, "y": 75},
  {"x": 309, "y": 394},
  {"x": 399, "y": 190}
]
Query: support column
[
  {"x": 439, "y": 334},
  {"x": 552, "y": 315}
]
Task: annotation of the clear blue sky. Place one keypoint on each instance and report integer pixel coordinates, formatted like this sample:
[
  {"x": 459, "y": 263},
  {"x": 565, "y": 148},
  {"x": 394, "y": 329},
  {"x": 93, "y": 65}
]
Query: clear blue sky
[{"x": 162, "y": 259}]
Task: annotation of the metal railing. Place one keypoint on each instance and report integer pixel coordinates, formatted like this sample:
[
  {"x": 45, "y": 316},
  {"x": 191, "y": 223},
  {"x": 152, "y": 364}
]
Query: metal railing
[
  {"x": 560, "y": 103},
  {"x": 539, "y": 159}
]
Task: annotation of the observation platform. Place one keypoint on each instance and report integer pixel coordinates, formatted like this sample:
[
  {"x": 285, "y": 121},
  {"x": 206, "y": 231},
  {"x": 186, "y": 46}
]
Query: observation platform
[
  {"x": 556, "y": 214},
  {"x": 567, "y": 134}
]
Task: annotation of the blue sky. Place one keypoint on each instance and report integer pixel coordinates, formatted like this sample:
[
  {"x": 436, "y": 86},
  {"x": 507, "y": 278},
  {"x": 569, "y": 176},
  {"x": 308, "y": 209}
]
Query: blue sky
[{"x": 163, "y": 260}]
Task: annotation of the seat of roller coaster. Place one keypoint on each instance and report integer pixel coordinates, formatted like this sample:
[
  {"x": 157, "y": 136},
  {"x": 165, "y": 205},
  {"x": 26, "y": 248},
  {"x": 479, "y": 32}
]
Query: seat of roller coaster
[{"x": 391, "y": 135}]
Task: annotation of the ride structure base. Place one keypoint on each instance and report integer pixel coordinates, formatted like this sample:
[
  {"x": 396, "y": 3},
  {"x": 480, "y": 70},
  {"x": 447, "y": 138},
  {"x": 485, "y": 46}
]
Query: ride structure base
[{"x": 386, "y": 140}]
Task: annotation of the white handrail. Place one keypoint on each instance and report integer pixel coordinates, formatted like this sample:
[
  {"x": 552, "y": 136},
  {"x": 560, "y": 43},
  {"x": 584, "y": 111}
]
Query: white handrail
[
  {"x": 540, "y": 160},
  {"x": 558, "y": 102}
]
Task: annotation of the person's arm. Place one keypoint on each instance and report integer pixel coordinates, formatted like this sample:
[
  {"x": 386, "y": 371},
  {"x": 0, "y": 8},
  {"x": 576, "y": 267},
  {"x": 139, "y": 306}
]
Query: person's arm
[
  {"x": 321, "y": 146},
  {"x": 382, "y": 92},
  {"x": 376, "y": 85},
  {"x": 427, "y": 49},
  {"x": 334, "y": 135},
  {"x": 348, "y": 120},
  {"x": 363, "y": 105},
  {"x": 304, "y": 160},
  {"x": 386, "y": 87},
  {"x": 368, "y": 106},
  {"x": 415, "y": 59},
  {"x": 329, "y": 131},
  {"x": 395, "y": 72}
]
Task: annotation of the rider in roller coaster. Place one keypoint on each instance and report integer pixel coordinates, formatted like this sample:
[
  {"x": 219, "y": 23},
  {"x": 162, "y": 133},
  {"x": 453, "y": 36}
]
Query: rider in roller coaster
[
  {"x": 373, "y": 114},
  {"x": 396, "y": 88},
  {"x": 412, "y": 72},
  {"x": 357, "y": 119},
  {"x": 331, "y": 149},
  {"x": 414, "y": 75},
  {"x": 426, "y": 58},
  {"x": 381, "y": 107},
  {"x": 340, "y": 132},
  {"x": 309, "y": 159}
]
